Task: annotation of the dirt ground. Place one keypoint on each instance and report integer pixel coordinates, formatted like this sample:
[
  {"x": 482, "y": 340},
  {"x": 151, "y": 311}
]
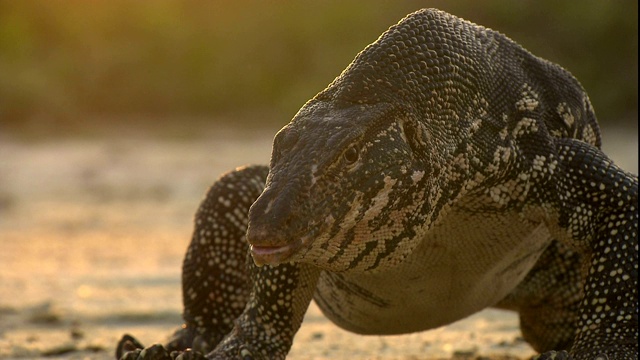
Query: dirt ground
[{"x": 93, "y": 230}]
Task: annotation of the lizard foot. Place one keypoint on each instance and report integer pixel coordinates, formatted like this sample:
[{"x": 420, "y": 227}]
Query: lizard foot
[
  {"x": 153, "y": 352},
  {"x": 184, "y": 344},
  {"x": 131, "y": 349}
]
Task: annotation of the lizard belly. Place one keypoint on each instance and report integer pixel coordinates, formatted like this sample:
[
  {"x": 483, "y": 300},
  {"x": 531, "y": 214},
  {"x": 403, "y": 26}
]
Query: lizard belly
[{"x": 453, "y": 273}]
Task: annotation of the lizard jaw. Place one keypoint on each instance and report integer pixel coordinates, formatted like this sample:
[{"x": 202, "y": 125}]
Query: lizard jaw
[{"x": 274, "y": 255}]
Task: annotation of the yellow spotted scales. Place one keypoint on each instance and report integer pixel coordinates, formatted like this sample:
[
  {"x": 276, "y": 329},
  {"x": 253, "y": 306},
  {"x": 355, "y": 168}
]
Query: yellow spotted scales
[{"x": 446, "y": 170}]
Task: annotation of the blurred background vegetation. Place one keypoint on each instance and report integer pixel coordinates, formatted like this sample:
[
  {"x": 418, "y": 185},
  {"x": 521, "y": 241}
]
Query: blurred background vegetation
[{"x": 68, "y": 65}]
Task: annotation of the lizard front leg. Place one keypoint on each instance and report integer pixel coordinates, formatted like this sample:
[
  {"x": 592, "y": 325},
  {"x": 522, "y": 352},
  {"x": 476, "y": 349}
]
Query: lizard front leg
[
  {"x": 265, "y": 330},
  {"x": 598, "y": 214},
  {"x": 215, "y": 278},
  {"x": 224, "y": 292}
]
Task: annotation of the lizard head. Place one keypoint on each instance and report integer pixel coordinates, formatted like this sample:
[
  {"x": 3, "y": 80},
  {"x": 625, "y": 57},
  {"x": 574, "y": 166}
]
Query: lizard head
[
  {"x": 346, "y": 189},
  {"x": 358, "y": 173}
]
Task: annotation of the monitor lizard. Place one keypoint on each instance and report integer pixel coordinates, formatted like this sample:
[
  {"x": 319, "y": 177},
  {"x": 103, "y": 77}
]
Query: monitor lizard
[{"x": 444, "y": 171}]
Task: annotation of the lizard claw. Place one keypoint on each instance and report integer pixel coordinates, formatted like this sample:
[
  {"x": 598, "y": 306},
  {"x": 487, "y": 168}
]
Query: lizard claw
[
  {"x": 131, "y": 349},
  {"x": 154, "y": 352},
  {"x": 127, "y": 346}
]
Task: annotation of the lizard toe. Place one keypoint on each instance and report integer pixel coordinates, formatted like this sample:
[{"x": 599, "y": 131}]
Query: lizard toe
[
  {"x": 154, "y": 352},
  {"x": 128, "y": 344}
]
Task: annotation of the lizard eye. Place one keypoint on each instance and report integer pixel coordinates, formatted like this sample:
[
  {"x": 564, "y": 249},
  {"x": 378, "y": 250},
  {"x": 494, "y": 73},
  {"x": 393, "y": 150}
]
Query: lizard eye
[{"x": 351, "y": 155}]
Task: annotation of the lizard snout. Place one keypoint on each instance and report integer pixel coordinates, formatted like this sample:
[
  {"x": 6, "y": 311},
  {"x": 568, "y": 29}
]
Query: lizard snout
[{"x": 271, "y": 228}]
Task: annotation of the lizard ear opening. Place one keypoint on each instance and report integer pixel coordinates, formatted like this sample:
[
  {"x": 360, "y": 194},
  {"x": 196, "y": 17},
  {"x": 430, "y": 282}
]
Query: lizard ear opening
[
  {"x": 414, "y": 137},
  {"x": 417, "y": 140}
]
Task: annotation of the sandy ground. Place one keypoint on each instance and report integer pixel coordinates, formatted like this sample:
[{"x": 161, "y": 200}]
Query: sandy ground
[{"x": 92, "y": 234}]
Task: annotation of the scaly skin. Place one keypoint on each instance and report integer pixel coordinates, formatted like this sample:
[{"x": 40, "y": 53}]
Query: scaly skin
[{"x": 446, "y": 170}]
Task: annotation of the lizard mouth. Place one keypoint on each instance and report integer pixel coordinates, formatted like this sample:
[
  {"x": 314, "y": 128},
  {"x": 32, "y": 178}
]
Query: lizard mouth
[{"x": 273, "y": 255}]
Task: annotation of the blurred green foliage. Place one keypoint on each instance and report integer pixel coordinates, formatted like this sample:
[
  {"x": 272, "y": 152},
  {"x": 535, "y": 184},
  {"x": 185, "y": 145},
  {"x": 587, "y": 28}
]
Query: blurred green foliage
[{"x": 63, "y": 62}]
